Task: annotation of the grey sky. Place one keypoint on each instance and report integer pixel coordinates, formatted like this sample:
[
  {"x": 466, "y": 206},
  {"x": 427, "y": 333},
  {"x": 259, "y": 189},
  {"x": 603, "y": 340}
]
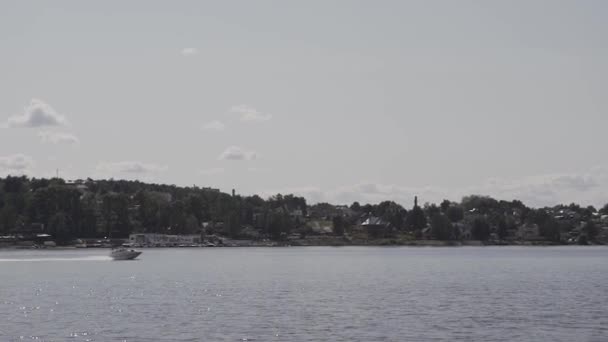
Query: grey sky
[{"x": 335, "y": 100}]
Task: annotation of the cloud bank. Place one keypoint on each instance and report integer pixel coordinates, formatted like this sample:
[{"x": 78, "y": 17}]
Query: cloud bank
[
  {"x": 214, "y": 126},
  {"x": 589, "y": 188},
  {"x": 236, "y": 153},
  {"x": 129, "y": 167},
  {"x": 186, "y": 52},
  {"x": 37, "y": 114},
  {"x": 16, "y": 164},
  {"x": 250, "y": 114},
  {"x": 58, "y": 138}
]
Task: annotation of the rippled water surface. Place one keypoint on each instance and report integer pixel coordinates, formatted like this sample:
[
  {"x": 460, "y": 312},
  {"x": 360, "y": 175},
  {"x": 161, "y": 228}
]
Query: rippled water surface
[{"x": 307, "y": 294}]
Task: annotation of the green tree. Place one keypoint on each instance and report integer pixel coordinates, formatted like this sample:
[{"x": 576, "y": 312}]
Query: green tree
[
  {"x": 391, "y": 212},
  {"x": 441, "y": 228},
  {"x": 431, "y": 209},
  {"x": 445, "y": 204},
  {"x": 415, "y": 219},
  {"x": 339, "y": 225},
  {"x": 115, "y": 212},
  {"x": 47, "y": 201},
  {"x": 481, "y": 204},
  {"x": 583, "y": 240},
  {"x": 14, "y": 184},
  {"x": 196, "y": 205},
  {"x": 36, "y": 184},
  {"x": 367, "y": 208},
  {"x": 88, "y": 206},
  {"x": 480, "y": 229},
  {"x": 549, "y": 229},
  {"x": 278, "y": 225},
  {"x": 455, "y": 213},
  {"x": 177, "y": 217},
  {"x": 8, "y": 218},
  {"x": 59, "y": 226},
  {"x": 192, "y": 225},
  {"x": 502, "y": 227},
  {"x": 233, "y": 223},
  {"x": 590, "y": 230}
]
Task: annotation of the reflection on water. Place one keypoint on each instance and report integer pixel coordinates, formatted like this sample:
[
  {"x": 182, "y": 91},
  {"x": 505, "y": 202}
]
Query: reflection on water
[{"x": 307, "y": 294}]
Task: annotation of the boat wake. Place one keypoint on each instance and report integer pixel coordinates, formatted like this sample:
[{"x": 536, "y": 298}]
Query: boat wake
[{"x": 87, "y": 258}]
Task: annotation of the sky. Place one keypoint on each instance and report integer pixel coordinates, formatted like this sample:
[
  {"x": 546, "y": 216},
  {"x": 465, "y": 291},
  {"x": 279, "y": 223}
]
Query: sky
[{"x": 337, "y": 101}]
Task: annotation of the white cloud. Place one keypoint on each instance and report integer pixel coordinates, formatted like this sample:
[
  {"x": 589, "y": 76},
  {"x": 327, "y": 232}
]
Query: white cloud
[
  {"x": 250, "y": 114},
  {"x": 37, "y": 114},
  {"x": 374, "y": 193},
  {"x": 236, "y": 153},
  {"x": 58, "y": 137},
  {"x": 590, "y": 188},
  {"x": 129, "y": 167},
  {"x": 189, "y": 51},
  {"x": 365, "y": 192},
  {"x": 551, "y": 189},
  {"x": 212, "y": 171},
  {"x": 16, "y": 164},
  {"x": 214, "y": 126}
]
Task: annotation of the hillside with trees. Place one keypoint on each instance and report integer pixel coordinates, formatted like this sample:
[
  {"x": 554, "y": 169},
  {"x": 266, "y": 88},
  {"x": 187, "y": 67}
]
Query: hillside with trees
[{"x": 117, "y": 208}]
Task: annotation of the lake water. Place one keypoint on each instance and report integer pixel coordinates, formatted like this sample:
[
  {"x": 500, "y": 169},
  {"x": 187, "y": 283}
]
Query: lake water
[{"x": 307, "y": 294}]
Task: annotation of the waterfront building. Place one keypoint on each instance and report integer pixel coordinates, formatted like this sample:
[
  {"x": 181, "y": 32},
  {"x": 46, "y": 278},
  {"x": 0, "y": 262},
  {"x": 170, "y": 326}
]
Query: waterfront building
[{"x": 164, "y": 240}]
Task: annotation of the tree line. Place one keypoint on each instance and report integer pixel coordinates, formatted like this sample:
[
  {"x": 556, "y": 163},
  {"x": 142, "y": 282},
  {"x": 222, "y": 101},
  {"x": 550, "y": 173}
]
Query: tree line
[{"x": 116, "y": 208}]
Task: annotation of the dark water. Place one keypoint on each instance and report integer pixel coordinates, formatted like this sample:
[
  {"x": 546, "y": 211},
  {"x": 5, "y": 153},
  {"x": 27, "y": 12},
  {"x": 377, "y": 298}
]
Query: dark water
[{"x": 307, "y": 294}]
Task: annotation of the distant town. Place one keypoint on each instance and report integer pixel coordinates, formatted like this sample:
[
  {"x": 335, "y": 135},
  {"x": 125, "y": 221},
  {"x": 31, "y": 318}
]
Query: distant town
[{"x": 55, "y": 213}]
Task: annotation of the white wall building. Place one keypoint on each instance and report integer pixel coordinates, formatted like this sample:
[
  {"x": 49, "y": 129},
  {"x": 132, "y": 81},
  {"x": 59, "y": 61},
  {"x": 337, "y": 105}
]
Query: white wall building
[{"x": 164, "y": 240}]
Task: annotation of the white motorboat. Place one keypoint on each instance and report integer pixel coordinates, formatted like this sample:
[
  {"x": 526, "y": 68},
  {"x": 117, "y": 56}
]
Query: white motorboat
[{"x": 122, "y": 253}]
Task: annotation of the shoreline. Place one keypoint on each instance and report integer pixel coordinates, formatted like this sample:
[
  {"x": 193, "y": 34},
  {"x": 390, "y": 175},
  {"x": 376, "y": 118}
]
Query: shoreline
[{"x": 417, "y": 243}]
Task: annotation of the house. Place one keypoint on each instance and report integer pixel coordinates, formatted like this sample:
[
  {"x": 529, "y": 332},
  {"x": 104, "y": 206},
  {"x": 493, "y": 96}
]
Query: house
[
  {"x": 426, "y": 233},
  {"x": 528, "y": 231},
  {"x": 321, "y": 227},
  {"x": 376, "y": 227}
]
